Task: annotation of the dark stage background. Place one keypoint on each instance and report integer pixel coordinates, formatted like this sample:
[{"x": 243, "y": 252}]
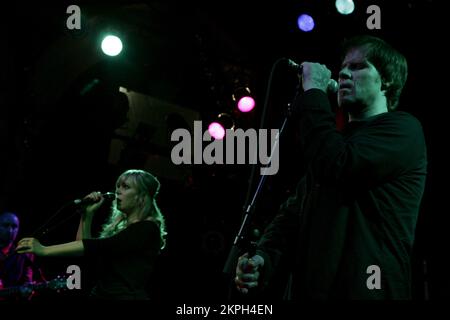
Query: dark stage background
[{"x": 66, "y": 132}]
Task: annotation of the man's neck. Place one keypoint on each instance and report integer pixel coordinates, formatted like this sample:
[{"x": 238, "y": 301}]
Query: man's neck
[
  {"x": 364, "y": 116},
  {"x": 375, "y": 109}
]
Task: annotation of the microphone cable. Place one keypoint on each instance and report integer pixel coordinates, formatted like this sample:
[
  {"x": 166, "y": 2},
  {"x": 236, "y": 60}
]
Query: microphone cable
[
  {"x": 56, "y": 214},
  {"x": 40, "y": 231}
]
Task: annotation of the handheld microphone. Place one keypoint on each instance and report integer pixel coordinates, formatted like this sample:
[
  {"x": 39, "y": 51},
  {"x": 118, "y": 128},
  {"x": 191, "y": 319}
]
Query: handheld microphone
[
  {"x": 332, "y": 84},
  {"x": 107, "y": 196}
]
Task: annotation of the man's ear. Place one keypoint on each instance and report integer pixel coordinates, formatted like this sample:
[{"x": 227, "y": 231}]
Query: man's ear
[{"x": 385, "y": 85}]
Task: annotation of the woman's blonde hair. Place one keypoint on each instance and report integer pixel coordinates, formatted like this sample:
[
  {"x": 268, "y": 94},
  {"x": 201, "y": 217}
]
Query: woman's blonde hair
[{"x": 147, "y": 187}]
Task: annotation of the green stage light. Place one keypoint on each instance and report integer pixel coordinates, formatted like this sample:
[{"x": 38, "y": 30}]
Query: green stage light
[{"x": 111, "y": 45}]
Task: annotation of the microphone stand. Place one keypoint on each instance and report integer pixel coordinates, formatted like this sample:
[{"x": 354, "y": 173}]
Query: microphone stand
[
  {"x": 240, "y": 241},
  {"x": 243, "y": 230}
]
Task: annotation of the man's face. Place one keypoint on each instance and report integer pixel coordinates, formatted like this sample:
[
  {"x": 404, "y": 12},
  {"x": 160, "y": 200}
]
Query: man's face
[
  {"x": 359, "y": 82},
  {"x": 9, "y": 227}
]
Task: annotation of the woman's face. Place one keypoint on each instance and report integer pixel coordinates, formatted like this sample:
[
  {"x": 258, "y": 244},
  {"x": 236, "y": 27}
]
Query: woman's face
[{"x": 127, "y": 196}]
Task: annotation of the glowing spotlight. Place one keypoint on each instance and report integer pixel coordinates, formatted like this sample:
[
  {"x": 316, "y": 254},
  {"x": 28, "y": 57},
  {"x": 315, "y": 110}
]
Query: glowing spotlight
[
  {"x": 111, "y": 45},
  {"x": 216, "y": 130},
  {"x": 345, "y": 6},
  {"x": 305, "y": 22},
  {"x": 245, "y": 102}
]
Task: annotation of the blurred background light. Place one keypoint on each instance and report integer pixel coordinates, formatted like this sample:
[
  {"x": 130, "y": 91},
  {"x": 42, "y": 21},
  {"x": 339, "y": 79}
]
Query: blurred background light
[
  {"x": 345, "y": 6},
  {"x": 111, "y": 45},
  {"x": 305, "y": 22}
]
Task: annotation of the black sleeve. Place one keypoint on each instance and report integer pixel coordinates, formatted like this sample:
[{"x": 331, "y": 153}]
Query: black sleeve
[
  {"x": 138, "y": 237},
  {"x": 385, "y": 148},
  {"x": 279, "y": 238}
]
